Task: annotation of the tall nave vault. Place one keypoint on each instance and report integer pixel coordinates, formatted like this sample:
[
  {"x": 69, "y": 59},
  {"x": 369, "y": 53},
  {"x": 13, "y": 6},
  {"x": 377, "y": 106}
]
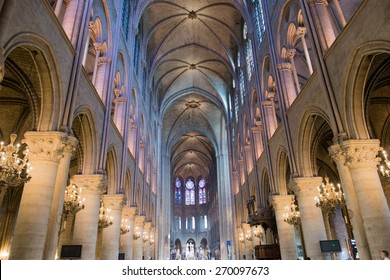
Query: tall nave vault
[{"x": 194, "y": 130}]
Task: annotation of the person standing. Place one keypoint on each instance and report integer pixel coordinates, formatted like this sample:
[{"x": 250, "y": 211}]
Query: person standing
[{"x": 385, "y": 255}]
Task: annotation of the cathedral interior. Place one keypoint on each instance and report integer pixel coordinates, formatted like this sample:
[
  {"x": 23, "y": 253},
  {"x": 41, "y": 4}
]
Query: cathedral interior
[{"x": 194, "y": 130}]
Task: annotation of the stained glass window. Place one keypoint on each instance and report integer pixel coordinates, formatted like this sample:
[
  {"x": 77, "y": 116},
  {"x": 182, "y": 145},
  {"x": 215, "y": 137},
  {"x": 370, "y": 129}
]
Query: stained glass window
[
  {"x": 258, "y": 17},
  {"x": 202, "y": 192},
  {"x": 178, "y": 194},
  {"x": 249, "y": 58},
  {"x": 242, "y": 86},
  {"x": 205, "y": 221},
  {"x": 190, "y": 192}
]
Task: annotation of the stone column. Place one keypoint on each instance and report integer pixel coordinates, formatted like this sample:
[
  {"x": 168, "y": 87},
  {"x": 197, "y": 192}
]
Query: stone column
[
  {"x": 138, "y": 234},
  {"x": 242, "y": 172},
  {"x": 33, "y": 219},
  {"x": 119, "y": 115},
  {"x": 289, "y": 89},
  {"x": 301, "y": 32},
  {"x": 355, "y": 216},
  {"x": 249, "y": 158},
  {"x": 361, "y": 158},
  {"x": 248, "y": 241},
  {"x": 152, "y": 243},
  {"x": 286, "y": 232},
  {"x": 101, "y": 76},
  {"x": 340, "y": 13},
  {"x": 99, "y": 48},
  {"x": 146, "y": 241},
  {"x": 290, "y": 55},
  {"x": 305, "y": 189},
  {"x": 86, "y": 223},
  {"x": 258, "y": 140},
  {"x": 323, "y": 21},
  {"x": 269, "y": 108},
  {"x": 126, "y": 240},
  {"x": 58, "y": 199},
  {"x": 111, "y": 235}
]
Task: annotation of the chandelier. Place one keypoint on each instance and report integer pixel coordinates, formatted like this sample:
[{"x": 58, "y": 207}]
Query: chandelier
[
  {"x": 145, "y": 237},
  {"x": 330, "y": 198},
  {"x": 384, "y": 166},
  {"x": 14, "y": 170},
  {"x": 241, "y": 238},
  {"x": 292, "y": 215},
  {"x": 105, "y": 220},
  {"x": 136, "y": 234},
  {"x": 257, "y": 233},
  {"x": 151, "y": 239},
  {"x": 73, "y": 202},
  {"x": 125, "y": 227},
  {"x": 248, "y": 235}
]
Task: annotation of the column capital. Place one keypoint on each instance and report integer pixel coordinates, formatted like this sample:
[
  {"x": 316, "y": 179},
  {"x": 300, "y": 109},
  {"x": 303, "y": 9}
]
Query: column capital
[
  {"x": 70, "y": 146},
  {"x": 91, "y": 184},
  {"x": 318, "y": 2},
  {"x": 47, "y": 145},
  {"x": 301, "y": 31},
  {"x": 279, "y": 202},
  {"x": 361, "y": 153},
  {"x": 2, "y": 64},
  {"x": 129, "y": 212},
  {"x": 100, "y": 47},
  {"x": 139, "y": 221},
  {"x": 104, "y": 60},
  {"x": 285, "y": 66},
  {"x": 113, "y": 201},
  {"x": 305, "y": 186},
  {"x": 291, "y": 53},
  {"x": 337, "y": 154},
  {"x": 148, "y": 226}
]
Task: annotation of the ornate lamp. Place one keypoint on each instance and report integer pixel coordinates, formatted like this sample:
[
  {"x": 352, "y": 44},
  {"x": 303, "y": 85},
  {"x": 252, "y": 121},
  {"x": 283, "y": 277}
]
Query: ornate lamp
[
  {"x": 73, "y": 202},
  {"x": 241, "y": 238},
  {"x": 145, "y": 237},
  {"x": 257, "y": 233},
  {"x": 292, "y": 215},
  {"x": 14, "y": 170},
  {"x": 125, "y": 227},
  {"x": 248, "y": 235},
  {"x": 384, "y": 166},
  {"x": 151, "y": 239},
  {"x": 330, "y": 198},
  {"x": 105, "y": 220},
  {"x": 136, "y": 234}
]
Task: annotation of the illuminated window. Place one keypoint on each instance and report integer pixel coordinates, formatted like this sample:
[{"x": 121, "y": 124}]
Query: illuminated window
[
  {"x": 202, "y": 192},
  {"x": 258, "y": 17},
  {"x": 242, "y": 87},
  {"x": 205, "y": 221},
  {"x": 193, "y": 222},
  {"x": 179, "y": 223},
  {"x": 190, "y": 192},
  {"x": 178, "y": 194}
]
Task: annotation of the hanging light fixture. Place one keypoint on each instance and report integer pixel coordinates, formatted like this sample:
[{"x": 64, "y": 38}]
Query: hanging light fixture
[
  {"x": 330, "y": 198},
  {"x": 145, "y": 237},
  {"x": 257, "y": 233},
  {"x": 73, "y": 202},
  {"x": 384, "y": 166},
  {"x": 248, "y": 235},
  {"x": 105, "y": 219},
  {"x": 241, "y": 238},
  {"x": 14, "y": 170},
  {"x": 136, "y": 234},
  {"x": 292, "y": 215},
  {"x": 125, "y": 227}
]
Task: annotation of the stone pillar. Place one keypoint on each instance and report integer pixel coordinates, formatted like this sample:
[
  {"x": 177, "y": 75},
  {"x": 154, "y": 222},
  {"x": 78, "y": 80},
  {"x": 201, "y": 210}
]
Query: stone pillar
[
  {"x": 152, "y": 243},
  {"x": 242, "y": 172},
  {"x": 101, "y": 76},
  {"x": 111, "y": 235},
  {"x": 289, "y": 90},
  {"x": 138, "y": 237},
  {"x": 58, "y": 199},
  {"x": 301, "y": 32},
  {"x": 305, "y": 189},
  {"x": 119, "y": 115},
  {"x": 141, "y": 157},
  {"x": 290, "y": 55},
  {"x": 249, "y": 157},
  {"x": 323, "y": 21},
  {"x": 286, "y": 232},
  {"x": 361, "y": 158},
  {"x": 86, "y": 223},
  {"x": 340, "y": 13},
  {"x": 33, "y": 219},
  {"x": 269, "y": 108},
  {"x": 339, "y": 157},
  {"x": 258, "y": 140},
  {"x": 126, "y": 240},
  {"x": 99, "y": 48},
  {"x": 146, "y": 241}
]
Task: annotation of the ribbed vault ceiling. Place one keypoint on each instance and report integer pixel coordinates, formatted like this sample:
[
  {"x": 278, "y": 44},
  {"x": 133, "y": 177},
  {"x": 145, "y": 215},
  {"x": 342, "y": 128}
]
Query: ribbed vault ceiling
[{"x": 191, "y": 46}]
